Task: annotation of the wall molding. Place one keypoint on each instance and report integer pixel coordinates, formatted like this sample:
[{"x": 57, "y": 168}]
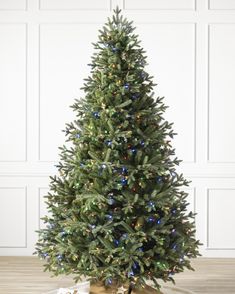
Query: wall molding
[
  {"x": 26, "y": 216},
  {"x": 40, "y": 8},
  {"x": 208, "y": 247},
  {"x": 17, "y": 9},
  {"x": 217, "y": 9},
  {"x": 160, "y": 9},
  {"x": 26, "y": 91},
  {"x": 209, "y": 25}
]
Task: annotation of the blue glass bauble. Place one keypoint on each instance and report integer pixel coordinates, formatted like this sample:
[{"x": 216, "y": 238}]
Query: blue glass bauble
[{"x": 96, "y": 114}]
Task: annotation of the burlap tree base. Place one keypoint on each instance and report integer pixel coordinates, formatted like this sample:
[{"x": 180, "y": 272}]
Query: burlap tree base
[{"x": 100, "y": 289}]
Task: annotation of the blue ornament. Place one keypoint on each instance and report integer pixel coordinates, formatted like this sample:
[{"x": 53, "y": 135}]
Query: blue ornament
[
  {"x": 114, "y": 49},
  {"x": 103, "y": 166},
  {"x": 130, "y": 274},
  {"x": 124, "y": 170},
  {"x": 59, "y": 257},
  {"x": 135, "y": 265},
  {"x": 124, "y": 236},
  {"x": 133, "y": 150},
  {"x": 173, "y": 174},
  {"x": 142, "y": 143},
  {"x": 126, "y": 86},
  {"x": 159, "y": 221},
  {"x": 124, "y": 181},
  {"x": 82, "y": 164},
  {"x": 111, "y": 201},
  {"x": 108, "y": 142},
  {"x": 173, "y": 231},
  {"x": 45, "y": 255},
  {"x": 143, "y": 75},
  {"x": 173, "y": 211},
  {"x": 150, "y": 219},
  {"x": 62, "y": 234},
  {"x": 151, "y": 204},
  {"x": 116, "y": 242},
  {"x": 96, "y": 114},
  {"x": 141, "y": 249},
  {"x": 159, "y": 179},
  {"x": 92, "y": 226},
  {"x": 174, "y": 246},
  {"x": 109, "y": 216},
  {"x": 78, "y": 135},
  {"x": 109, "y": 281},
  {"x": 135, "y": 96}
]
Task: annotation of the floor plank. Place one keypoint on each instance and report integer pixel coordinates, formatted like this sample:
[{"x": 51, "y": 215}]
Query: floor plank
[{"x": 24, "y": 275}]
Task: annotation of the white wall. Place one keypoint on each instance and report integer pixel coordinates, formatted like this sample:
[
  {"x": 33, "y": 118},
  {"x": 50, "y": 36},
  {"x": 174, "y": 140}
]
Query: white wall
[{"x": 45, "y": 46}]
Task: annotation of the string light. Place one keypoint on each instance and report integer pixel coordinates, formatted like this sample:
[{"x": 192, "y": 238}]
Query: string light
[
  {"x": 124, "y": 181},
  {"x": 150, "y": 219},
  {"x": 109, "y": 281},
  {"x": 116, "y": 242},
  {"x": 133, "y": 150},
  {"x": 109, "y": 216},
  {"x": 108, "y": 142},
  {"x": 96, "y": 114},
  {"x": 151, "y": 204},
  {"x": 124, "y": 236},
  {"x": 159, "y": 221},
  {"x": 111, "y": 201},
  {"x": 124, "y": 170},
  {"x": 159, "y": 179},
  {"x": 126, "y": 86}
]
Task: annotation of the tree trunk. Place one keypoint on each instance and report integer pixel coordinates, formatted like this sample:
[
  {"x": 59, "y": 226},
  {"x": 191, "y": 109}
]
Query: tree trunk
[{"x": 129, "y": 289}]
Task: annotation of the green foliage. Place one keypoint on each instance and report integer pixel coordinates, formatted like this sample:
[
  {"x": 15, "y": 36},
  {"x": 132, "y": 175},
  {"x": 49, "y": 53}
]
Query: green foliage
[{"x": 117, "y": 211}]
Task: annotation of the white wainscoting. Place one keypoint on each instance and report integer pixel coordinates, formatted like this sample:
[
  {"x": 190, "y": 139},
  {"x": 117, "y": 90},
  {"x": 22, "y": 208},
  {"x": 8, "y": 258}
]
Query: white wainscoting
[
  {"x": 13, "y": 4},
  {"x": 159, "y": 4},
  {"x": 45, "y": 46},
  {"x": 13, "y": 74},
  {"x": 221, "y": 93}
]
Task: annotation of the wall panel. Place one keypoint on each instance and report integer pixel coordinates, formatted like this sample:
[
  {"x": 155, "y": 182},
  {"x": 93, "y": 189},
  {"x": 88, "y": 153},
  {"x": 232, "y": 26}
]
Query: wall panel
[
  {"x": 170, "y": 49},
  {"x": 13, "y": 49},
  {"x": 64, "y": 54},
  {"x": 221, "y": 93},
  {"x": 159, "y": 4},
  {"x": 221, "y": 219},
  {"x": 13, "y": 217},
  {"x": 13, "y": 4},
  {"x": 221, "y": 4},
  {"x": 74, "y": 4}
]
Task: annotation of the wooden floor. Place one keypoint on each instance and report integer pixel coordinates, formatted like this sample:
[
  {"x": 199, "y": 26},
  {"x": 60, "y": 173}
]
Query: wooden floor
[{"x": 24, "y": 275}]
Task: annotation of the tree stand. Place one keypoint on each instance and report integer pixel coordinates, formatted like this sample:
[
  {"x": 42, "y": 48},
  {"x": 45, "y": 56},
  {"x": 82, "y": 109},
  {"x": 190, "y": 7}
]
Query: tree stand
[{"x": 98, "y": 288}]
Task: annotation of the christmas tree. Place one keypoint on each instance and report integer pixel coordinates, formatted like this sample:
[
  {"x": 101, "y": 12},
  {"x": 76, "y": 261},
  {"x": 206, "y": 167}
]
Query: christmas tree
[{"x": 117, "y": 213}]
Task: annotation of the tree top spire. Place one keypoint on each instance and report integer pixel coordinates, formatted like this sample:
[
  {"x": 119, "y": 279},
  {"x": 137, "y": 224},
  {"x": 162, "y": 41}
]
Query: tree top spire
[
  {"x": 116, "y": 17},
  {"x": 117, "y": 10}
]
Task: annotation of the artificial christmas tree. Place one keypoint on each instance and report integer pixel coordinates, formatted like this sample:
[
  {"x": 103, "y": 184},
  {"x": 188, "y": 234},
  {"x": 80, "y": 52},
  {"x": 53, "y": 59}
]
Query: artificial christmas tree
[{"x": 117, "y": 211}]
